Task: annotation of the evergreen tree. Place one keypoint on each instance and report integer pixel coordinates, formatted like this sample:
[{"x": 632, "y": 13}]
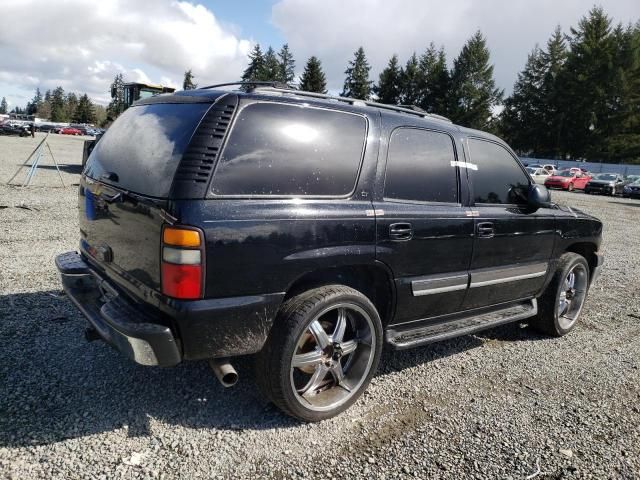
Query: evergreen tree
[
  {"x": 44, "y": 110},
  {"x": 357, "y": 83},
  {"x": 272, "y": 69},
  {"x": 58, "y": 113},
  {"x": 3, "y": 105},
  {"x": 287, "y": 65},
  {"x": 388, "y": 88},
  {"x": 411, "y": 82},
  {"x": 523, "y": 117},
  {"x": 117, "y": 104},
  {"x": 187, "y": 83},
  {"x": 434, "y": 97},
  {"x": 35, "y": 103},
  {"x": 623, "y": 143},
  {"x": 84, "y": 112},
  {"x": 588, "y": 87},
  {"x": 313, "y": 78},
  {"x": 255, "y": 69},
  {"x": 71, "y": 103},
  {"x": 553, "y": 114},
  {"x": 474, "y": 91}
]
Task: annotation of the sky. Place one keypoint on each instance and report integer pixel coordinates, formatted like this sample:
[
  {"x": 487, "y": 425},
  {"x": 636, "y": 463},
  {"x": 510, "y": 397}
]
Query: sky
[{"x": 82, "y": 44}]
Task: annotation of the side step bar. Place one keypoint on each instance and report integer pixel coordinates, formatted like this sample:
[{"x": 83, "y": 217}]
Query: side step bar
[{"x": 413, "y": 336}]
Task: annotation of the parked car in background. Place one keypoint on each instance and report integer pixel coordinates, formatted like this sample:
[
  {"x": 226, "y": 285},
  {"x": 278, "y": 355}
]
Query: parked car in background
[
  {"x": 572, "y": 179},
  {"x": 539, "y": 175},
  {"x": 20, "y": 130},
  {"x": 70, "y": 131},
  {"x": 606, "y": 183},
  {"x": 632, "y": 178},
  {"x": 192, "y": 249},
  {"x": 550, "y": 168},
  {"x": 46, "y": 127},
  {"x": 632, "y": 190}
]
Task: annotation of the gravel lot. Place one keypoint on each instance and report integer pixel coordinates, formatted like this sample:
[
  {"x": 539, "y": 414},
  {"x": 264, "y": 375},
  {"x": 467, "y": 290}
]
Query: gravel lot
[{"x": 492, "y": 405}]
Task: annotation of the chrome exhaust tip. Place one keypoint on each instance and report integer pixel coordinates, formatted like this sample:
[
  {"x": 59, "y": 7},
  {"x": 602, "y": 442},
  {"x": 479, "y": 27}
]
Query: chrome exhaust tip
[{"x": 224, "y": 371}]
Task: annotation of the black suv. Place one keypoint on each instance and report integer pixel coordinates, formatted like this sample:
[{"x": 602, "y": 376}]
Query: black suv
[{"x": 311, "y": 230}]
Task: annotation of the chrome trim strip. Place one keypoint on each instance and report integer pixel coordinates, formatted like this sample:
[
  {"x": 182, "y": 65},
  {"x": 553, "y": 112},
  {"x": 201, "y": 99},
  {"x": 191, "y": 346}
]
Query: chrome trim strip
[
  {"x": 494, "y": 276},
  {"x": 433, "y": 284}
]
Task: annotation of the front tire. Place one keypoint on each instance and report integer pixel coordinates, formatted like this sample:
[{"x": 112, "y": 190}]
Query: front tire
[
  {"x": 560, "y": 306},
  {"x": 321, "y": 353}
]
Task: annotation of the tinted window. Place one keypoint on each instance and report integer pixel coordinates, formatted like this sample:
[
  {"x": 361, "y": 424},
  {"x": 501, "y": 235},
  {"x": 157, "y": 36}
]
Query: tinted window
[
  {"x": 277, "y": 149},
  {"x": 144, "y": 145},
  {"x": 419, "y": 167},
  {"x": 499, "y": 178}
]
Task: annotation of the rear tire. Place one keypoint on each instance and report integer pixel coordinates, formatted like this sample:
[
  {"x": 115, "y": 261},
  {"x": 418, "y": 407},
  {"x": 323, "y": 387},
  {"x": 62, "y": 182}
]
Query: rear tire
[
  {"x": 560, "y": 305},
  {"x": 321, "y": 353}
]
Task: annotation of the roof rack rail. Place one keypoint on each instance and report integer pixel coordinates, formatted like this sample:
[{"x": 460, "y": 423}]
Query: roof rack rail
[
  {"x": 254, "y": 84},
  {"x": 412, "y": 110},
  {"x": 415, "y": 108}
]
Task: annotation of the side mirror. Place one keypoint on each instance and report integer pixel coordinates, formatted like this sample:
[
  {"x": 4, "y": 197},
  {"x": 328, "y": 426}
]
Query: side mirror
[{"x": 538, "y": 197}]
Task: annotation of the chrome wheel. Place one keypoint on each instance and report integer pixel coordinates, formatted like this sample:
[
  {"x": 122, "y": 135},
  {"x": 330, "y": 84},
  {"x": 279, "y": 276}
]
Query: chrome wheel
[
  {"x": 333, "y": 357},
  {"x": 572, "y": 295}
]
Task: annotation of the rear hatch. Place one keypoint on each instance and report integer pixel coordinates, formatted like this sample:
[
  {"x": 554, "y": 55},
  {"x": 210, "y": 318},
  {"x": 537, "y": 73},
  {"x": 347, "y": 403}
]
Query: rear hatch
[{"x": 126, "y": 188}]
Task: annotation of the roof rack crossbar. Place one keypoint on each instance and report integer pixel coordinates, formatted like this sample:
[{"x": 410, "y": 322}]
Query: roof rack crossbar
[
  {"x": 413, "y": 110},
  {"x": 254, "y": 84}
]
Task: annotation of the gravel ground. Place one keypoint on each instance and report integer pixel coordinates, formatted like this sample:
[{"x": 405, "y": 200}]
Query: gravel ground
[{"x": 493, "y": 405}]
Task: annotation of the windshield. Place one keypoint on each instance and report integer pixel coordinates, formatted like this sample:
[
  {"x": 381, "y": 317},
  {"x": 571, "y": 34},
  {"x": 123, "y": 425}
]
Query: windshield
[
  {"x": 566, "y": 173},
  {"x": 606, "y": 176},
  {"x": 144, "y": 146}
]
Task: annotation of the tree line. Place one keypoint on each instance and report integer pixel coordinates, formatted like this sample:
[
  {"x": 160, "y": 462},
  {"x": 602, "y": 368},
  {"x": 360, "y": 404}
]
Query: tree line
[
  {"x": 467, "y": 93},
  {"x": 59, "y": 106},
  {"x": 579, "y": 97}
]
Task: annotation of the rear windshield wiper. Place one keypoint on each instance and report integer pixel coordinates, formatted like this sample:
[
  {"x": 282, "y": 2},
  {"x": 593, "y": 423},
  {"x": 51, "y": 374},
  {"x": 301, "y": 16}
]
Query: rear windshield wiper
[{"x": 110, "y": 176}]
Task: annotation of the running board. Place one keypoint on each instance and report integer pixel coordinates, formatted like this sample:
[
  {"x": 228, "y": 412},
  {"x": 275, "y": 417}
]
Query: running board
[{"x": 471, "y": 322}]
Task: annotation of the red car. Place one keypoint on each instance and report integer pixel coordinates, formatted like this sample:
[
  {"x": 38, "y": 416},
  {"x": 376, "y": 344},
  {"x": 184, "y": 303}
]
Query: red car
[
  {"x": 568, "y": 180},
  {"x": 69, "y": 131}
]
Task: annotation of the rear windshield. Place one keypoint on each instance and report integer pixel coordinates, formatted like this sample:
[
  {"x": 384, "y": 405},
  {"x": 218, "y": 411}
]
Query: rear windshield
[
  {"x": 606, "y": 176},
  {"x": 143, "y": 147}
]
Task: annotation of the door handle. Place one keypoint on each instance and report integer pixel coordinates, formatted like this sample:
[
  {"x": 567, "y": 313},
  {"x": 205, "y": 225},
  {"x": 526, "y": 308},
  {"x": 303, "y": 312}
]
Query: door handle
[
  {"x": 400, "y": 231},
  {"x": 485, "y": 230}
]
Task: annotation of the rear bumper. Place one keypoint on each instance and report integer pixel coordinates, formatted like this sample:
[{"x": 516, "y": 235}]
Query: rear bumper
[
  {"x": 119, "y": 323},
  {"x": 171, "y": 330},
  {"x": 562, "y": 186},
  {"x": 599, "y": 189}
]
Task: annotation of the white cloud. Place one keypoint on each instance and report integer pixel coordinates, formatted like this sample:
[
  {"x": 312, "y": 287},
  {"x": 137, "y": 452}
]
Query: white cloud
[
  {"x": 334, "y": 29},
  {"x": 82, "y": 44}
]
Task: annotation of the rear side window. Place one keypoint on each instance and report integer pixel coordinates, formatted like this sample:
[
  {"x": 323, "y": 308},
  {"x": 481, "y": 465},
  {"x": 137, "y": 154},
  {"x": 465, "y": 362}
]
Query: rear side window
[
  {"x": 144, "y": 146},
  {"x": 419, "y": 167},
  {"x": 498, "y": 178},
  {"x": 286, "y": 150}
]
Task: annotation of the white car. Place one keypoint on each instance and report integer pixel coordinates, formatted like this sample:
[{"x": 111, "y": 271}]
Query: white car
[
  {"x": 550, "y": 168},
  {"x": 539, "y": 175}
]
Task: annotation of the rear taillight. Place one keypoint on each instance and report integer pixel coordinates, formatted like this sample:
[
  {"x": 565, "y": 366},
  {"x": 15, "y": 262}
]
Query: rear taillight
[{"x": 182, "y": 262}]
